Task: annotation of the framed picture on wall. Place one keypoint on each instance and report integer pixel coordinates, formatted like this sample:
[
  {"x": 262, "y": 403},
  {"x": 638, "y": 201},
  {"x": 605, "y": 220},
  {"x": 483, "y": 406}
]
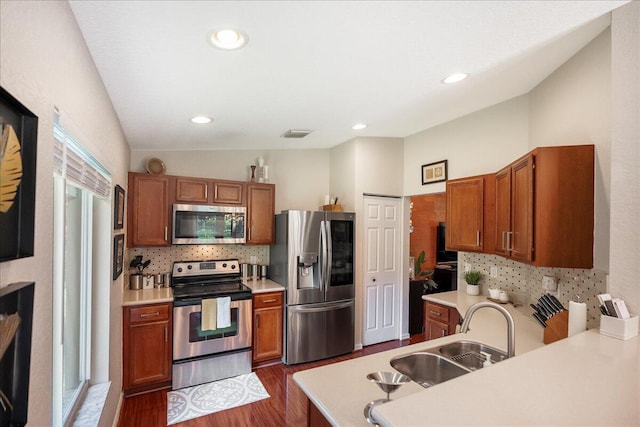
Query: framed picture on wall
[
  {"x": 118, "y": 255},
  {"x": 18, "y": 138},
  {"x": 434, "y": 172},
  {"x": 118, "y": 212}
]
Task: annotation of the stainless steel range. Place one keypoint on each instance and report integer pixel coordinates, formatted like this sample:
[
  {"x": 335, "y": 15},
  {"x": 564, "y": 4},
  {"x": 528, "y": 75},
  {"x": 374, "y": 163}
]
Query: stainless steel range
[{"x": 209, "y": 351}]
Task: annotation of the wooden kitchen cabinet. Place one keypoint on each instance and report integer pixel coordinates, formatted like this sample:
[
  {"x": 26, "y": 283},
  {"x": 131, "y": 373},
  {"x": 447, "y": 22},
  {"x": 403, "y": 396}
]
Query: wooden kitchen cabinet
[
  {"x": 260, "y": 213},
  {"x": 470, "y": 213},
  {"x": 200, "y": 190},
  {"x": 439, "y": 320},
  {"x": 545, "y": 207},
  {"x": 146, "y": 347},
  {"x": 267, "y": 326},
  {"x": 148, "y": 210}
]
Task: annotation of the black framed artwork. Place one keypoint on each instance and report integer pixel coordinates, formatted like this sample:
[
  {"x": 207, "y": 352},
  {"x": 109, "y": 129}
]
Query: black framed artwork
[
  {"x": 118, "y": 255},
  {"x": 18, "y": 144},
  {"x": 118, "y": 208},
  {"x": 434, "y": 172}
]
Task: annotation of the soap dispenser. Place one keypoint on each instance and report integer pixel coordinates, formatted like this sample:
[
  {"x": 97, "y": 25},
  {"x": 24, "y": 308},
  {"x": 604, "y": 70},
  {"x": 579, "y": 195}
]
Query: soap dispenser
[{"x": 487, "y": 361}]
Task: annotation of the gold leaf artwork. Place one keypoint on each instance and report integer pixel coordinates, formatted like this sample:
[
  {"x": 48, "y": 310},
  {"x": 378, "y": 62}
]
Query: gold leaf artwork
[{"x": 10, "y": 168}]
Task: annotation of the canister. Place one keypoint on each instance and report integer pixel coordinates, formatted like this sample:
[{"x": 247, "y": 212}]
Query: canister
[
  {"x": 254, "y": 271},
  {"x": 264, "y": 272},
  {"x": 147, "y": 281},
  {"x": 158, "y": 280},
  {"x": 135, "y": 281},
  {"x": 244, "y": 268}
]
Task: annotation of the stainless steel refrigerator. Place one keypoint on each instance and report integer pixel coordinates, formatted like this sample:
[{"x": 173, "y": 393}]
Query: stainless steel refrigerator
[{"x": 313, "y": 258}]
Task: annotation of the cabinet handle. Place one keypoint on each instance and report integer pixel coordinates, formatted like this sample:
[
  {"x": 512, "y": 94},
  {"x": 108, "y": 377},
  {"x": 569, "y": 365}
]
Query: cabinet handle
[
  {"x": 157, "y": 313},
  {"x": 206, "y": 191},
  {"x": 215, "y": 192},
  {"x": 268, "y": 301},
  {"x": 478, "y": 238},
  {"x": 509, "y": 243},
  {"x": 249, "y": 233},
  {"x": 435, "y": 312},
  {"x": 166, "y": 229},
  {"x": 442, "y": 333},
  {"x": 504, "y": 233}
]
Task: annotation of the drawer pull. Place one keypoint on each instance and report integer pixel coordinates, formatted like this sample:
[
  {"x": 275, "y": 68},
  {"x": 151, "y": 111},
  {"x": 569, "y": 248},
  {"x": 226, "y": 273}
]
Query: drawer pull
[
  {"x": 269, "y": 300},
  {"x": 157, "y": 313},
  {"x": 437, "y": 313}
]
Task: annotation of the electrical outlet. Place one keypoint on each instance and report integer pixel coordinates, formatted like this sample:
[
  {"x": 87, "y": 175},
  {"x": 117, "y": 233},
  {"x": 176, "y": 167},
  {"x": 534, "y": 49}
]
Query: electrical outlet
[
  {"x": 493, "y": 271},
  {"x": 467, "y": 267},
  {"x": 549, "y": 283}
]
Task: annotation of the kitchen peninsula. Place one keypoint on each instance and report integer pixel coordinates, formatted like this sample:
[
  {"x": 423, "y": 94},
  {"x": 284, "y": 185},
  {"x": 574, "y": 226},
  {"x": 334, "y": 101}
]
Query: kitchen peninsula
[{"x": 587, "y": 379}]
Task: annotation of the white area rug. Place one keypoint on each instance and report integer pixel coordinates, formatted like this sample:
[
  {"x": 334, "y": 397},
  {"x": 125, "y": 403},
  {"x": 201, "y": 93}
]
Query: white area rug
[{"x": 197, "y": 401}]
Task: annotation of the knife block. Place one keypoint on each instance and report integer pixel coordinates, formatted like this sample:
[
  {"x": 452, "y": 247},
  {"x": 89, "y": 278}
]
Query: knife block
[{"x": 557, "y": 328}]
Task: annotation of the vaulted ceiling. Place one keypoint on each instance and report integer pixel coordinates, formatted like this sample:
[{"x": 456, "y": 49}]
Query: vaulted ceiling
[{"x": 321, "y": 66}]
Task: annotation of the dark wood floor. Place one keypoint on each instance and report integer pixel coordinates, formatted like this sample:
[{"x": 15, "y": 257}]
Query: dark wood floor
[{"x": 287, "y": 405}]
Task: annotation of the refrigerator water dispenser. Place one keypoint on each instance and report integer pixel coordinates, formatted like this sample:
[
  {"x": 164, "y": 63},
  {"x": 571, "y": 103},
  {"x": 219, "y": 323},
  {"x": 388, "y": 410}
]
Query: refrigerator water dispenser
[{"x": 307, "y": 274}]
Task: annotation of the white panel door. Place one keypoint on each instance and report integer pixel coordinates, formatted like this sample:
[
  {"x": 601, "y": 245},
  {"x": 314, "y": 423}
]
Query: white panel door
[{"x": 382, "y": 272}]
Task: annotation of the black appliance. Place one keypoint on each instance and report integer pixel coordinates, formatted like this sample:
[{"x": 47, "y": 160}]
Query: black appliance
[{"x": 442, "y": 254}]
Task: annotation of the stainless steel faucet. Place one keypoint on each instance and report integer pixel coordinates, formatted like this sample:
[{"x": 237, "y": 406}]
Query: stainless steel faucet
[{"x": 511, "y": 333}]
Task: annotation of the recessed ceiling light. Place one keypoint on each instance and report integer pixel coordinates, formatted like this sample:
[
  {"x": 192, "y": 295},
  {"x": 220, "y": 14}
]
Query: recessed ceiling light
[
  {"x": 228, "y": 38},
  {"x": 201, "y": 120},
  {"x": 455, "y": 77},
  {"x": 359, "y": 126}
]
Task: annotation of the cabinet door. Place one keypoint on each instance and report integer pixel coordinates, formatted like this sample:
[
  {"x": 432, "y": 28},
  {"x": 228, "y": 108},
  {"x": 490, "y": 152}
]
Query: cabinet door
[
  {"x": 436, "y": 329},
  {"x": 503, "y": 211},
  {"x": 148, "y": 210},
  {"x": 146, "y": 347},
  {"x": 227, "y": 192},
  {"x": 260, "y": 213},
  {"x": 465, "y": 206},
  {"x": 522, "y": 209},
  {"x": 267, "y": 338},
  {"x": 192, "y": 190}
]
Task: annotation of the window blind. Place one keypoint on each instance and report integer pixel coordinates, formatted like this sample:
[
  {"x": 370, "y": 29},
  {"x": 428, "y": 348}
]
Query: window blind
[{"x": 74, "y": 163}]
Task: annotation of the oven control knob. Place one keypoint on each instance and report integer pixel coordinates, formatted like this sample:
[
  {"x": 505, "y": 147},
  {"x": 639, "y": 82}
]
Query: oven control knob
[
  {"x": 189, "y": 267},
  {"x": 224, "y": 265},
  {"x": 179, "y": 269},
  {"x": 233, "y": 266}
]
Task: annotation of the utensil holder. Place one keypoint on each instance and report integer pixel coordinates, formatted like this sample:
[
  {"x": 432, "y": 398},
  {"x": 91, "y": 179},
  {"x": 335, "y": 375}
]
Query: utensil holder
[{"x": 615, "y": 327}]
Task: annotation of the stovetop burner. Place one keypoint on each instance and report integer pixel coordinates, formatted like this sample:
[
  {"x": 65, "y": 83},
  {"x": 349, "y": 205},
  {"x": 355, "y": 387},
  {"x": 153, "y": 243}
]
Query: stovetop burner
[{"x": 208, "y": 279}]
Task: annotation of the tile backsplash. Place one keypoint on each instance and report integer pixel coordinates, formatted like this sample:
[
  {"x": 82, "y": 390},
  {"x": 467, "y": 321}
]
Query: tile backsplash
[
  {"x": 515, "y": 277},
  {"x": 162, "y": 258}
]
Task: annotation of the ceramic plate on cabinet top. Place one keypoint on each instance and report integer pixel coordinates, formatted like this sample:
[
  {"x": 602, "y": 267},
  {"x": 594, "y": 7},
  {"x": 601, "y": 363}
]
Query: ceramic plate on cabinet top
[{"x": 155, "y": 166}]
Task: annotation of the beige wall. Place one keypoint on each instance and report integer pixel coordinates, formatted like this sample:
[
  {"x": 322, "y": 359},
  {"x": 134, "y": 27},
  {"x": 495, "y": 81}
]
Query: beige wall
[
  {"x": 573, "y": 106},
  {"x": 300, "y": 176},
  {"x": 34, "y": 36},
  {"x": 479, "y": 143},
  {"x": 625, "y": 155}
]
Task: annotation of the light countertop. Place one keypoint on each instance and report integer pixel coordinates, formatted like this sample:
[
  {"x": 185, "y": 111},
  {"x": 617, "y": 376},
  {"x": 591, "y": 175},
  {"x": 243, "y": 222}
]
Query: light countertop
[
  {"x": 260, "y": 286},
  {"x": 158, "y": 295},
  {"x": 587, "y": 379},
  {"x": 147, "y": 296}
]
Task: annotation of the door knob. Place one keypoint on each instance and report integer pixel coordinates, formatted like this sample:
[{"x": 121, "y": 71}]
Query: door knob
[{"x": 374, "y": 279}]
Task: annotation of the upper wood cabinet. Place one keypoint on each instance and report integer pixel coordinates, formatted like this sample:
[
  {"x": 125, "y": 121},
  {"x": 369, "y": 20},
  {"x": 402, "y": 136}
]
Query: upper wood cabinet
[
  {"x": 514, "y": 210},
  {"x": 148, "y": 210},
  {"x": 200, "y": 190},
  {"x": 545, "y": 207},
  {"x": 260, "y": 213},
  {"x": 470, "y": 213}
]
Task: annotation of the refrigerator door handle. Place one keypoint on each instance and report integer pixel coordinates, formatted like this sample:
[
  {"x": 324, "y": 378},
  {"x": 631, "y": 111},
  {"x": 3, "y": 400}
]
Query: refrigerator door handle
[
  {"x": 323, "y": 255},
  {"x": 315, "y": 308},
  {"x": 329, "y": 250}
]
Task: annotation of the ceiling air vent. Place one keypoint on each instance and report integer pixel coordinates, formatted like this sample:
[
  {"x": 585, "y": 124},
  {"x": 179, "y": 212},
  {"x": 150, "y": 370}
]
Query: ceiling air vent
[{"x": 296, "y": 133}]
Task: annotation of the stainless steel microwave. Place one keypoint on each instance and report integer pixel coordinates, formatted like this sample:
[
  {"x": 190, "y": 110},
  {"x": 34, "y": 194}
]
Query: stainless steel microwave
[{"x": 208, "y": 225}]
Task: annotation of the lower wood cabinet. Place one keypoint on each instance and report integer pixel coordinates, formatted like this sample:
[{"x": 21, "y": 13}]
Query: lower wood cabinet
[
  {"x": 146, "y": 347},
  {"x": 439, "y": 320},
  {"x": 315, "y": 417},
  {"x": 267, "y": 326}
]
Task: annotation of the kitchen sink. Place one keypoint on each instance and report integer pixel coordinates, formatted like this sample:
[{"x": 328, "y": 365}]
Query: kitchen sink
[
  {"x": 428, "y": 369},
  {"x": 469, "y": 353},
  {"x": 439, "y": 364}
]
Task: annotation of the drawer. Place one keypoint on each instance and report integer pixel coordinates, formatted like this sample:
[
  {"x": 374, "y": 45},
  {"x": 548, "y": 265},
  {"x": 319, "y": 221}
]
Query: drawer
[
  {"x": 438, "y": 312},
  {"x": 271, "y": 299},
  {"x": 149, "y": 313}
]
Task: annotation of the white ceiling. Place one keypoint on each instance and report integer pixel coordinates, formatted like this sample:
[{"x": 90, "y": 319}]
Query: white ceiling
[{"x": 321, "y": 65}]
